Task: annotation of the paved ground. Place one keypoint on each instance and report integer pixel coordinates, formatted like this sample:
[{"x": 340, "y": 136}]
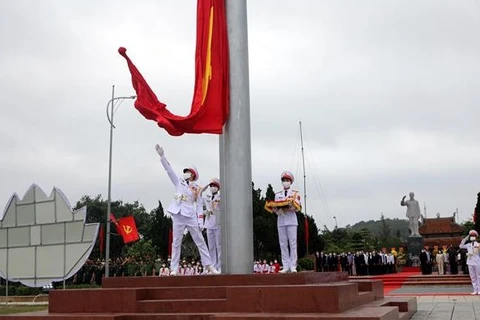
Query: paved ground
[
  {"x": 448, "y": 307},
  {"x": 433, "y": 290}
]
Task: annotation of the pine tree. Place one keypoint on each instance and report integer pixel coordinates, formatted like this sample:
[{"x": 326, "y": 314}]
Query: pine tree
[
  {"x": 384, "y": 230},
  {"x": 398, "y": 234},
  {"x": 476, "y": 217},
  {"x": 159, "y": 229}
]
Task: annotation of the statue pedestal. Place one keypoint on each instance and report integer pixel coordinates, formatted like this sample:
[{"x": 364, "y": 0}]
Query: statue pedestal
[{"x": 414, "y": 245}]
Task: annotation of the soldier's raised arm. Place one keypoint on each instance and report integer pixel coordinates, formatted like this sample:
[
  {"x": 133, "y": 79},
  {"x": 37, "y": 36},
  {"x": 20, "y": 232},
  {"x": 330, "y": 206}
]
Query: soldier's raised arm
[{"x": 163, "y": 160}]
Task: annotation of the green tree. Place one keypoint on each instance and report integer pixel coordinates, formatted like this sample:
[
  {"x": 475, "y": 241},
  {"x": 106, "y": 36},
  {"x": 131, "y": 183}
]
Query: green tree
[
  {"x": 374, "y": 226},
  {"x": 357, "y": 242},
  {"x": 368, "y": 239},
  {"x": 337, "y": 240},
  {"x": 265, "y": 233},
  {"x": 189, "y": 248},
  {"x": 384, "y": 229},
  {"x": 159, "y": 230},
  {"x": 315, "y": 240},
  {"x": 477, "y": 214},
  {"x": 468, "y": 225},
  {"x": 97, "y": 213},
  {"x": 398, "y": 234},
  {"x": 269, "y": 194},
  {"x": 140, "y": 249}
]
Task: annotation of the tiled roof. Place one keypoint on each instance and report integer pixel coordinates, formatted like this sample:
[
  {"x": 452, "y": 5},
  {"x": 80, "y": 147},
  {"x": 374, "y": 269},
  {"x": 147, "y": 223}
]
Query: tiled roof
[
  {"x": 439, "y": 226},
  {"x": 431, "y": 242}
]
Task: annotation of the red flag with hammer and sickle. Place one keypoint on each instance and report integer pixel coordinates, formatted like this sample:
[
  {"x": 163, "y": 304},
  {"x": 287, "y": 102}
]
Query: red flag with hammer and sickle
[{"x": 127, "y": 228}]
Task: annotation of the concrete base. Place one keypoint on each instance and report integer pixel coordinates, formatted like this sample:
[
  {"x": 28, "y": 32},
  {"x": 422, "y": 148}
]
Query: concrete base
[
  {"x": 326, "y": 295},
  {"x": 414, "y": 245}
]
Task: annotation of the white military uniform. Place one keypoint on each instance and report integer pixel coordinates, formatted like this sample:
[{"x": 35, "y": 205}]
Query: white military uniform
[
  {"x": 473, "y": 262},
  {"x": 212, "y": 203},
  {"x": 287, "y": 223},
  {"x": 185, "y": 209}
]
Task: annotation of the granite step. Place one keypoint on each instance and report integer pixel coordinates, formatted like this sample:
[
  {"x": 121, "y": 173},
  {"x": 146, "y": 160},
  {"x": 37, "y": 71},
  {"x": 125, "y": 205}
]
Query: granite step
[
  {"x": 181, "y": 305},
  {"x": 225, "y": 280},
  {"x": 365, "y": 313},
  {"x": 186, "y": 293}
]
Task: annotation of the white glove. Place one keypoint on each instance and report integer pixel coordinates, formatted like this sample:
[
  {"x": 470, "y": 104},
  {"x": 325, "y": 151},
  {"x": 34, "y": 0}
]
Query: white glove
[
  {"x": 159, "y": 150},
  {"x": 200, "y": 226}
]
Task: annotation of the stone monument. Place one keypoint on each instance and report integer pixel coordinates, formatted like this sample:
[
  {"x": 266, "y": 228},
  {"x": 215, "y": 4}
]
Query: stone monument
[
  {"x": 415, "y": 240},
  {"x": 42, "y": 239}
]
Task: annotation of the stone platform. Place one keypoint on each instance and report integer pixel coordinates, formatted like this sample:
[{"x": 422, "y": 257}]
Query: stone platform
[{"x": 304, "y": 295}]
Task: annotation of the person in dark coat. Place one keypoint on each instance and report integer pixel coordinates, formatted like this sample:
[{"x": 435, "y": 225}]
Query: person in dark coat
[
  {"x": 424, "y": 261},
  {"x": 452, "y": 260},
  {"x": 344, "y": 262},
  {"x": 358, "y": 264},
  {"x": 463, "y": 260}
]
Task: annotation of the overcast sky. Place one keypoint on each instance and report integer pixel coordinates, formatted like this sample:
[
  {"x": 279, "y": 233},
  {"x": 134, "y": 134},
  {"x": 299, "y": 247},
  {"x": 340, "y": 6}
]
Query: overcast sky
[{"x": 387, "y": 92}]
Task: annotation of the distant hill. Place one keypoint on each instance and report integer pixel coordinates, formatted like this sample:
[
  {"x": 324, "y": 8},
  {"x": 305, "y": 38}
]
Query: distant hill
[{"x": 396, "y": 225}]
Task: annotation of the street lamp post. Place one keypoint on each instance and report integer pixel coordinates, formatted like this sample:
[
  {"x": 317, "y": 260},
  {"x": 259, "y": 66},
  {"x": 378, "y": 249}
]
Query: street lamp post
[
  {"x": 110, "y": 113},
  {"x": 336, "y": 225}
]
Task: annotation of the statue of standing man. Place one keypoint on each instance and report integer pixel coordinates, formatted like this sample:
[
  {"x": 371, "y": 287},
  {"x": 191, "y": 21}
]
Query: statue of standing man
[{"x": 413, "y": 214}]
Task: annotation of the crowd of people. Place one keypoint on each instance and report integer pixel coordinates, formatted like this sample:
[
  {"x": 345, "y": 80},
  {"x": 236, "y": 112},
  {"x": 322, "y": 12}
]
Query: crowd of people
[
  {"x": 359, "y": 263},
  {"x": 93, "y": 271},
  {"x": 262, "y": 267},
  {"x": 356, "y": 264},
  {"x": 445, "y": 261}
]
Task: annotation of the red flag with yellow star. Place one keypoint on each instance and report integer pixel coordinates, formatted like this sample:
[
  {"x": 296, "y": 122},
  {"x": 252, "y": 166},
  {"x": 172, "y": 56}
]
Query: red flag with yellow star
[{"x": 209, "y": 109}]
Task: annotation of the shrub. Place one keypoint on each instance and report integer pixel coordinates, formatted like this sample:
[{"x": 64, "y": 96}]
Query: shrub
[
  {"x": 305, "y": 264},
  {"x": 12, "y": 290},
  {"x": 78, "y": 286},
  {"x": 27, "y": 291}
]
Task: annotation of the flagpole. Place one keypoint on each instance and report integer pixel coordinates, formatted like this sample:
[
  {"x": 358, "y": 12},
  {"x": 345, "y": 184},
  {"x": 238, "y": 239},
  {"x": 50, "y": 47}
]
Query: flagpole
[
  {"x": 235, "y": 144},
  {"x": 109, "y": 201},
  {"x": 304, "y": 180},
  {"x": 110, "y": 113}
]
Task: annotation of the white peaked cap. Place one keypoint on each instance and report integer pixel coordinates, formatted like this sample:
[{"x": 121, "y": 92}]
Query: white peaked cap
[
  {"x": 287, "y": 174},
  {"x": 194, "y": 171},
  {"x": 216, "y": 182}
]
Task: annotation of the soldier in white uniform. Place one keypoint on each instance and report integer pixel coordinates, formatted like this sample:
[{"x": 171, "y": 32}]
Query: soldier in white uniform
[
  {"x": 211, "y": 224},
  {"x": 473, "y": 259},
  {"x": 185, "y": 210},
  {"x": 287, "y": 222}
]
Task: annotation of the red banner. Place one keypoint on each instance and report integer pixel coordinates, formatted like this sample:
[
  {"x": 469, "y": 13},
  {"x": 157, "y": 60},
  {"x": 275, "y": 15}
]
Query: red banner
[
  {"x": 170, "y": 241},
  {"x": 101, "y": 243},
  {"x": 126, "y": 227},
  {"x": 307, "y": 231},
  {"x": 209, "y": 110}
]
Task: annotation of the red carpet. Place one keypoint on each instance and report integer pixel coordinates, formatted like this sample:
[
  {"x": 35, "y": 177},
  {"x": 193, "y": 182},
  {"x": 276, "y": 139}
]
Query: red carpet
[
  {"x": 392, "y": 281},
  {"x": 395, "y": 280},
  {"x": 429, "y": 294},
  {"x": 411, "y": 269}
]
